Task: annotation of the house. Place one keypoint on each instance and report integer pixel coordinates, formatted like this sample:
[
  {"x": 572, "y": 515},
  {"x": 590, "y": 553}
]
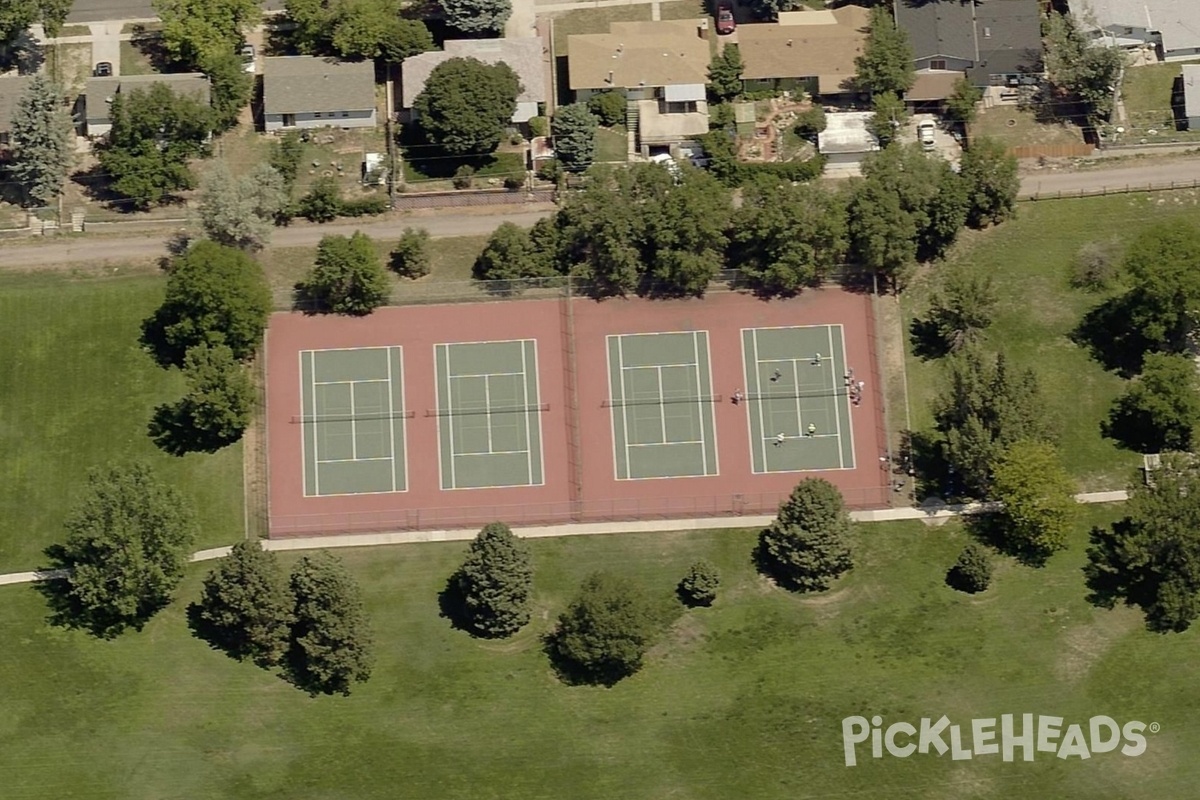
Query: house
[
  {"x": 996, "y": 43},
  {"x": 311, "y": 92},
  {"x": 813, "y": 51},
  {"x": 100, "y": 92},
  {"x": 527, "y": 57},
  {"x": 11, "y": 89},
  {"x": 846, "y": 140},
  {"x": 660, "y": 67},
  {"x": 1191, "y": 95},
  {"x": 1170, "y": 25}
]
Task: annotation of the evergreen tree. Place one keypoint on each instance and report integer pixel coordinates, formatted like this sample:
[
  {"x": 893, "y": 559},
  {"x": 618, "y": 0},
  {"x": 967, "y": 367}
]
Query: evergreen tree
[
  {"x": 961, "y": 307},
  {"x": 972, "y": 572},
  {"x": 494, "y": 583},
  {"x": 245, "y": 607},
  {"x": 608, "y": 106},
  {"x": 886, "y": 63},
  {"x": 322, "y": 202},
  {"x": 890, "y": 115},
  {"x": 43, "y": 141},
  {"x": 574, "y": 128},
  {"x": 477, "y": 16},
  {"x": 807, "y": 546},
  {"x": 331, "y": 647},
  {"x": 725, "y": 73},
  {"x": 126, "y": 548},
  {"x": 699, "y": 586},
  {"x": 604, "y": 634},
  {"x": 347, "y": 278}
]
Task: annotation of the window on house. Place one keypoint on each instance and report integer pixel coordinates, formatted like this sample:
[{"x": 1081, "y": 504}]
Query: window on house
[
  {"x": 987, "y": 33},
  {"x": 937, "y": 63},
  {"x": 345, "y": 113},
  {"x": 316, "y": 115}
]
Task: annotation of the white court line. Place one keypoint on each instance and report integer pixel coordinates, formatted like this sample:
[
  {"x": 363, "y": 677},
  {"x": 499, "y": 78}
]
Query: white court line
[
  {"x": 837, "y": 416},
  {"x": 537, "y": 417},
  {"x": 659, "y": 366},
  {"x": 625, "y": 407},
  {"x": 662, "y": 406},
  {"x": 699, "y": 408},
  {"x": 489, "y": 374},
  {"x": 353, "y": 428},
  {"x": 611, "y": 414},
  {"x": 796, "y": 384},
  {"x": 487, "y": 405},
  {"x": 525, "y": 403},
  {"x": 668, "y": 444},
  {"x": 354, "y": 461},
  {"x": 312, "y": 376},
  {"x": 364, "y": 380},
  {"x": 391, "y": 419},
  {"x": 762, "y": 423},
  {"x": 846, "y": 401},
  {"x": 437, "y": 404},
  {"x": 450, "y": 417},
  {"x": 304, "y": 431}
]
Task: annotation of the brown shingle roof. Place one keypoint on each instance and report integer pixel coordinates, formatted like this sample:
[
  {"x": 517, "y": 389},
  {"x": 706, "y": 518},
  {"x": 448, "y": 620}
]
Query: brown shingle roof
[
  {"x": 933, "y": 85},
  {"x": 633, "y": 54},
  {"x": 820, "y": 44},
  {"x": 305, "y": 84}
]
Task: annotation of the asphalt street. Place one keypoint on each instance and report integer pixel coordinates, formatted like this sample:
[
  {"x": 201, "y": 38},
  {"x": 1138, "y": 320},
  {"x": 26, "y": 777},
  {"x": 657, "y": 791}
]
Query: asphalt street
[{"x": 102, "y": 10}]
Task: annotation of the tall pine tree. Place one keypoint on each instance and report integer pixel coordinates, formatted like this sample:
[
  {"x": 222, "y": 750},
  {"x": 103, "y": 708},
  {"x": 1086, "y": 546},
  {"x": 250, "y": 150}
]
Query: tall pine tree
[
  {"x": 43, "y": 141},
  {"x": 494, "y": 583},
  {"x": 331, "y": 646},
  {"x": 245, "y": 607}
]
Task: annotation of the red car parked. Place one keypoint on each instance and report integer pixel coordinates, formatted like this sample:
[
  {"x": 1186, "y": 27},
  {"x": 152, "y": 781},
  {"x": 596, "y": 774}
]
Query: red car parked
[{"x": 725, "y": 23}]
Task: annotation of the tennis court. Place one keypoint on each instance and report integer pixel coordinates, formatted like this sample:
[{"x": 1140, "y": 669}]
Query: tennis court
[
  {"x": 353, "y": 421},
  {"x": 797, "y": 401},
  {"x": 660, "y": 393},
  {"x": 489, "y": 414}
]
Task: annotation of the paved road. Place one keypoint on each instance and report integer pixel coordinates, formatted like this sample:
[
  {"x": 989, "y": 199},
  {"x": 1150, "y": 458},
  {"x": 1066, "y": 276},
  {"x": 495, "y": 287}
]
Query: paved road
[
  {"x": 120, "y": 248},
  {"x": 104, "y": 10},
  {"x": 1159, "y": 174}
]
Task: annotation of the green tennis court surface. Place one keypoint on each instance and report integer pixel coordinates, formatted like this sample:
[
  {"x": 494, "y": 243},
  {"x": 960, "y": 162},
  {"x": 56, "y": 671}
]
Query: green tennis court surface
[
  {"x": 352, "y": 407},
  {"x": 489, "y": 423},
  {"x": 660, "y": 389},
  {"x": 795, "y": 386}
]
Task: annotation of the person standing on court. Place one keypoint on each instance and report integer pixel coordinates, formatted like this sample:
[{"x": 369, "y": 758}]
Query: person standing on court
[{"x": 812, "y": 429}]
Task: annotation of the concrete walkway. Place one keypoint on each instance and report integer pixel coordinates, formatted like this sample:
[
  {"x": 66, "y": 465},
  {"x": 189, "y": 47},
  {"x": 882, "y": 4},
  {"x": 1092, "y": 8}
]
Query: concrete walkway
[{"x": 928, "y": 514}]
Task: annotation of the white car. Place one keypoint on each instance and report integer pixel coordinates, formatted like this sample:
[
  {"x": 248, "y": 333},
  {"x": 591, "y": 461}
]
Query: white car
[
  {"x": 925, "y": 129},
  {"x": 665, "y": 159}
]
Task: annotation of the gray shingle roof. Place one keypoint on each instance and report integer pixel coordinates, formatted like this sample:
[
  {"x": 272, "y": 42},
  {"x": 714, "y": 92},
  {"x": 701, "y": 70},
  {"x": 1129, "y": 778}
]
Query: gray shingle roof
[
  {"x": 938, "y": 27},
  {"x": 997, "y": 36},
  {"x": 100, "y": 90},
  {"x": 525, "y": 56},
  {"x": 305, "y": 84}
]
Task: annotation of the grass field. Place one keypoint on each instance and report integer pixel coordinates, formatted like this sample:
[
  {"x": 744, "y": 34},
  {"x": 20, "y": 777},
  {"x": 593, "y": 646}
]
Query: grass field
[
  {"x": 76, "y": 392},
  {"x": 1030, "y": 258},
  {"x": 1147, "y": 94},
  {"x": 612, "y": 144},
  {"x": 743, "y": 700}
]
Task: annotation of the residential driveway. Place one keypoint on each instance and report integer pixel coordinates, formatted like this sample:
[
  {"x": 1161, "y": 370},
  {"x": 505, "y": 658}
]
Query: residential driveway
[
  {"x": 943, "y": 143},
  {"x": 106, "y": 43}
]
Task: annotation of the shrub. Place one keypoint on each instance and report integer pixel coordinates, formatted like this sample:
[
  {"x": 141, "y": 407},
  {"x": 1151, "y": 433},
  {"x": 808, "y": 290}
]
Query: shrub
[
  {"x": 550, "y": 170},
  {"x": 539, "y": 126},
  {"x": 972, "y": 572},
  {"x": 609, "y": 107},
  {"x": 1096, "y": 266},
  {"x": 410, "y": 257},
  {"x": 514, "y": 182},
  {"x": 811, "y": 122},
  {"x": 364, "y": 207},
  {"x": 462, "y": 176},
  {"x": 322, "y": 203},
  {"x": 699, "y": 585}
]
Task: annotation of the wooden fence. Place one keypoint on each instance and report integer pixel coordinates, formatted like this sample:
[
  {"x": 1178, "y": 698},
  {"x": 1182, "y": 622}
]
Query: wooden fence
[{"x": 1074, "y": 150}]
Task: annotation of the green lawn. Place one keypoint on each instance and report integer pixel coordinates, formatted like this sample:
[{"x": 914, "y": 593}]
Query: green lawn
[
  {"x": 1147, "y": 94},
  {"x": 76, "y": 392},
  {"x": 1030, "y": 258},
  {"x": 612, "y": 144},
  {"x": 594, "y": 20},
  {"x": 744, "y": 700},
  {"x": 134, "y": 61}
]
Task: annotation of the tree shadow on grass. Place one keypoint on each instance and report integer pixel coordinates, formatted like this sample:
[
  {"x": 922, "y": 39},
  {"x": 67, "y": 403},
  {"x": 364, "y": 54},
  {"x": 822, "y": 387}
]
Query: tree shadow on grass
[
  {"x": 452, "y": 606},
  {"x": 927, "y": 340},
  {"x": 991, "y": 530},
  {"x": 174, "y": 430},
  {"x": 68, "y": 611},
  {"x": 1106, "y": 333},
  {"x": 572, "y": 673}
]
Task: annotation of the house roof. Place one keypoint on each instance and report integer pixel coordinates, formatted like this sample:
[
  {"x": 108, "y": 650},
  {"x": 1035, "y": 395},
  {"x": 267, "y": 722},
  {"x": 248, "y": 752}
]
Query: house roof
[
  {"x": 527, "y": 57},
  {"x": 307, "y": 84},
  {"x": 1191, "y": 90},
  {"x": 805, "y": 44},
  {"x": 101, "y": 90},
  {"x": 933, "y": 84},
  {"x": 996, "y": 36},
  {"x": 1178, "y": 21},
  {"x": 634, "y": 54},
  {"x": 11, "y": 89}
]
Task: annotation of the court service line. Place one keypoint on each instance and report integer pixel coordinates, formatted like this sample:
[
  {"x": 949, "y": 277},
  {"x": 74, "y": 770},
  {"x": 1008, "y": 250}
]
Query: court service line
[
  {"x": 354, "y": 461},
  {"x": 624, "y": 406},
  {"x": 837, "y": 412},
  {"x": 304, "y": 427},
  {"x": 492, "y": 374},
  {"x": 437, "y": 404},
  {"x": 699, "y": 393},
  {"x": 391, "y": 418},
  {"x": 762, "y": 423},
  {"x": 363, "y": 380},
  {"x": 669, "y": 444},
  {"x": 659, "y": 366}
]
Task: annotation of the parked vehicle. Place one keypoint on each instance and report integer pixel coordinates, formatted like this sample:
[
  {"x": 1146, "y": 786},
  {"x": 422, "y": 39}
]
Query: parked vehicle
[
  {"x": 725, "y": 22},
  {"x": 925, "y": 129},
  {"x": 103, "y": 69}
]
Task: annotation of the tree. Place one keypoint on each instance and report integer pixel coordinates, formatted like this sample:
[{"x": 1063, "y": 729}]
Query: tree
[
  {"x": 232, "y": 88},
  {"x": 787, "y": 236},
  {"x": 477, "y": 16},
  {"x": 888, "y": 118},
  {"x": 125, "y": 552},
  {"x": 154, "y": 133},
  {"x": 961, "y": 307},
  {"x": 285, "y": 157},
  {"x": 410, "y": 257},
  {"x": 1150, "y": 559},
  {"x": 1097, "y": 265},
  {"x": 245, "y": 607},
  {"x": 215, "y": 295},
  {"x": 42, "y": 139},
  {"x": 1079, "y": 68},
  {"x": 348, "y": 277},
  {"x": 574, "y": 130},
  {"x": 494, "y": 584},
  {"x": 811, "y": 122},
  {"x": 507, "y": 256},
  {"x": 404, "y": 38},
  {"x": 1164, "y": 297},
  {"x": 323, "y": 202},
  {"x": 1038, "y": 498},
  {"x": 609, "y": 106},
  {"x": 355, "y": 29},
  {"x": 53, "y": 15},
  {"x": 195, "y": 32},
  {"x": 886, "y": 63},
  {"x": 215, "y": 411},
  {"x": 770, "y": 9},
  {"x": 466, "y": 105},
  {"x": 699, "y": 586},
  {"x": 807, "y": 546},
  {"x": 725, "y": 73},
  {"x": 990, "y": 174},
  {"x": 972, "y": 572},
  {"x": 15, "y": 18},
  {"x": 1160, "y": 409},
  {"x": 241, "y": 212},
  {"x": 963, "y": 102},
  {"x": 605, "y": 632},
  {"x": 985, "y": 408},
  {"x": 331, "y": 647}
]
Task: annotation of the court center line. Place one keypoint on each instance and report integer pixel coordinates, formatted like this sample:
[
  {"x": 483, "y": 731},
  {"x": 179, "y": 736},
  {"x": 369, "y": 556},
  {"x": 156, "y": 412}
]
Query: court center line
[
  {"x": 662, "y": 406},
  {"x": 762, "y": 423},
  {"x": 525, "y": 403},
  {"x": 353, "y": 427},
  {"x": 487, "y": 404},
  {"x": 625, "y": 406},
  {"x": 837, "y": 416},
  {"x": 391, "y": 418},
  {"x": 698, "y": 407},
  {"x": 796, "y": 385}
]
